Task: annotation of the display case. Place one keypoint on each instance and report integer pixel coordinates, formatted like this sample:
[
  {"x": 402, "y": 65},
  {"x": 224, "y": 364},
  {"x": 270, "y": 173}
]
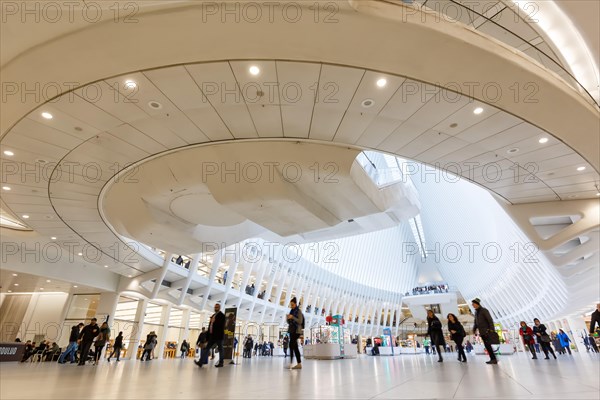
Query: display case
[{"x": 329, "y": 342}]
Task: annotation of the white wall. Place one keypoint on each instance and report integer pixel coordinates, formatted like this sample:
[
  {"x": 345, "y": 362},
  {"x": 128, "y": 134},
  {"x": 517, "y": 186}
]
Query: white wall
[{"x": 44, "y": 316}]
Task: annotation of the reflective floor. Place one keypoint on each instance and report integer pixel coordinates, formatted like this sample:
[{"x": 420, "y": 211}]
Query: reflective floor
[{"x": 400, "y": 377}]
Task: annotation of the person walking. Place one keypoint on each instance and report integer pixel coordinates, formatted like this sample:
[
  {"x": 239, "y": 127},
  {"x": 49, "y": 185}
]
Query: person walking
[
  {"x": 185, "y": 347},
  {"x": 100, "y": 342},
  {"x": 117, "y": 347},
  {"x": 485, "y": 325},
  {"x": 149, "y": 346},
  {"x": 72, "y": 347},
  {"x": 565, "y": 342},
  {"x": 426, "y": 343},
  {"x": 595, "y": 319},
  {"x": 295, "y": 320},
  {"x": 556, "y": 343},
  {"x": 286, "y": 343},
  {"x": 528, "y": 338},
  {"x": 457, "y": 334},
  {"x": 434, "y": 331},
  {"x": 539, "y": 330},
  {"x": 216, "y": 333},
  {"x": 201, "y": 344},
  {"x": 86, "y": 338}
]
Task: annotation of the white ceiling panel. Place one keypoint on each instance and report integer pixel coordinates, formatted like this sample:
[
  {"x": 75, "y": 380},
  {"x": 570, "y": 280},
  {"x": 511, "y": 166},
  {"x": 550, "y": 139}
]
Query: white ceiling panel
[
  {"x": 577, "y": 177},
  {"x": 489, "y": 126},
  {"x": 432, "y": 113},
  {"x": 135, "y": 138},
  {"x": 261, "y": 94},
  {"x": 217, "y": 82},
  {"x": 177, "y": 84},
  {"x": 423, "y": 143},
  {"x": 46, "y": 134},
  {"x": 64, "y": 122},
  {"x": 336, "y": 89},
  {"x": 377, "y": 131},
  {"x": 158, "y": 133},
  {"x": 357, "y": 117},
  {"x": 509, "y": 136},
  {"x": 463, "y": 118},
  {"x": 82, "y": 110},
  {"x": 122, "y": 105},
  {"x": 298, "y": 84},
  {"x": 448, "y": 146}
]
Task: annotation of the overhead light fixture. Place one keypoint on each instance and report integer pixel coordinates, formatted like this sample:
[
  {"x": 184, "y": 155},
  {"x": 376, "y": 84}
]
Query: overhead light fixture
[
  {"x": 41, "y": 288},
  {"x": 80, "y": 254},
  {"x": 10, "y": 291},
  {"x": 75, "y": 286},
  {"x": 129, "y": 276},
  {"x": 254, "y": 70},
  {"x": 47, "y": 115},
  {"x": 106, "y": 266},
  {"x": 7, "y": 188},
  {"x": 8, "y": 153},
  {"x": 53, "y": 238},
  {"x": 25, "y": 216},
  {"x": 48, "y": 281},
  {"x": 513, "y": 150},
  {"x": 15, "y": 275},
  {"x": 580, "y": 168},
  {"x": 16, "y": 284},
  {"x": 543, "y": 140},
  {"x": 478, "y": 111},
  {"x": 382, "y": 82},
  {"x": 129, "y": 84}
]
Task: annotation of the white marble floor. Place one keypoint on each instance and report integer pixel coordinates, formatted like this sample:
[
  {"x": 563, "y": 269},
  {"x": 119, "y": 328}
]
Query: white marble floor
[{"x": 400, "y": 377}]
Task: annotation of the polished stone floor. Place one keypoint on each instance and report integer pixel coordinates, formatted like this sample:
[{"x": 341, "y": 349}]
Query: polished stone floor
[{"x": 400, "y": 377}]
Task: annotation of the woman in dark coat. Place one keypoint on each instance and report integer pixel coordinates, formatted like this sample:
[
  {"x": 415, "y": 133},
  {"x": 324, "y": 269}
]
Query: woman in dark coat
[
  {"x": 434, "y": 331},
  {"x": 457, "y": 333}
]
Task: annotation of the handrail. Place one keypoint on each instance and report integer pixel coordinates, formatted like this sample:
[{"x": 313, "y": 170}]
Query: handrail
[{"x": 575, "y": 84}]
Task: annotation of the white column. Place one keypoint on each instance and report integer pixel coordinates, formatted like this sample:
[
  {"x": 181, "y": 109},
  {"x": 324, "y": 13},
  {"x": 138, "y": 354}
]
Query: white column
[
  {"x": 577, "y": 329},
  {"x": 138, "y": 322},
  {"x": 164, "y": 321},
  {"x": 192, "y": 271},
  {"x": 162, "y": 276},
  {"x": 107, "y": 306},
  {"x": 185, "y": 330}
]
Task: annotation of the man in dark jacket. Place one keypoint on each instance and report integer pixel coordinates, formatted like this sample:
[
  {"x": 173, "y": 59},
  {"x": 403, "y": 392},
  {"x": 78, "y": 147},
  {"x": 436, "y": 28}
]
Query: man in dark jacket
[
  {"x": 216, "y": 333},
  {"x": 595, "y": 319},
  {"x": 86, "y": 338},
  {"x": 72, "y": 347},
  {"x": 485, "y": 324}
]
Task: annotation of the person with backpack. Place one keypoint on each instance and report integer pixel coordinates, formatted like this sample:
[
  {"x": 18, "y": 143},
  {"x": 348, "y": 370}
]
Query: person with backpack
[
  {"x": 185, "y": 347},
  {"x": 117, "y": 347},
  {"x": 295, "y": 320}
]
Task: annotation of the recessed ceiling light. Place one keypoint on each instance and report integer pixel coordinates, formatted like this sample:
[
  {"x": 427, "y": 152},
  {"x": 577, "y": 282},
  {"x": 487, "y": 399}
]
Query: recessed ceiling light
[
  {"x": 8, "y": 153},
  {"x": 48, "y": 281},
  {"x": 106, "y": 266},
  {"x": 85, "y": 299},
  {"x": 25, "y": 216},
  {"x": 7, "y": 188},
  {"x": 478, "y": 111},
  {"x": 382, "y": 82},
  {"x": 155, "y": 104},
  {"x": 580, "y": 168},
  {"x": 543, "y": 140},
  {"x": 15, "y": 275},
  {"x": 598, "y": 194},
  {"x": 75, "y": 286},
  {"x": 41, "y": 288},
  {"x": 53, "y": 238},
  {"x": 513, "y": 150},
  {"x": 572, "y": 196},
  {"x": 80, "y": 254},
  {"x": 254, "y": 70},
  {"x": 129, "y": 276},
  {"x": 129, "y": 84},
  {"x": 16, "y": 284},
  {"x": 47, "y": 115},
  {"x": 10, "y": 291},
  {"x": 368, "y": 103}
]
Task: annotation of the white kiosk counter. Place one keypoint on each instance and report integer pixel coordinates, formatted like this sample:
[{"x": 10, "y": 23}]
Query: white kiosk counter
[{"x": 329, "y": 351}]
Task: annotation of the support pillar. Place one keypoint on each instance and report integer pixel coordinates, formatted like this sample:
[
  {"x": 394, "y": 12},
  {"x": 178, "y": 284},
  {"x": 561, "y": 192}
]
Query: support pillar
[
  {"x": 577, "y": 329},
  {"x": 138, "y": 325},
  {"x": 162, "y": 337}
]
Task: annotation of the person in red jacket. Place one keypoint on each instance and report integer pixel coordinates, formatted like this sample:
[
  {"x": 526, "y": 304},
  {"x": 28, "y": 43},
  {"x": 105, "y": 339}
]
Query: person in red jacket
[{"x": 528, "y": 338}]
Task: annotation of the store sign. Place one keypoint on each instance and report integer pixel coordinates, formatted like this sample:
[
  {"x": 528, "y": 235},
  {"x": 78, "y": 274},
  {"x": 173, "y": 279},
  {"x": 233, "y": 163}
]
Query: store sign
[
  {"x": 11, "y": 351},
  {"x": 230, "y": 317}
]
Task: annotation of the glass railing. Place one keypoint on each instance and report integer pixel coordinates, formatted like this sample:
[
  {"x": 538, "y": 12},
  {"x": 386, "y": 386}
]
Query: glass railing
[
  {"x": 378, "y": 170},
  {"x": 505, "y": 35}
]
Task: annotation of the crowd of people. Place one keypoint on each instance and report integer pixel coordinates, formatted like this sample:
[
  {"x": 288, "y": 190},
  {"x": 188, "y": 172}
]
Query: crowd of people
[{"x": 429, "y": 289}]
